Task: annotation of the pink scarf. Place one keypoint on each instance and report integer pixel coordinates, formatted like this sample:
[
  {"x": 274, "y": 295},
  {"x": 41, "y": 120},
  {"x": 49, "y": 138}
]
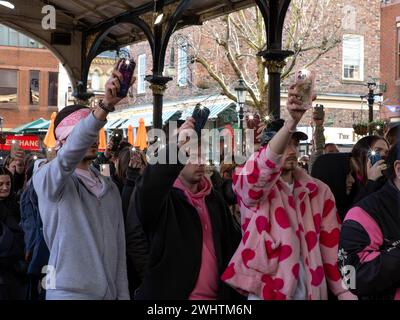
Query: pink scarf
[
  {"x": 206, "y": 287},
  {"x": 66, "y": 126}
]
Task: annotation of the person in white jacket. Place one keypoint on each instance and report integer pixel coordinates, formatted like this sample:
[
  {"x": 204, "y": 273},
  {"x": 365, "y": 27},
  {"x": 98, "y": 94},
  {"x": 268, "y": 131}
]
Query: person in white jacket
[{"x": 81, "y": 210}]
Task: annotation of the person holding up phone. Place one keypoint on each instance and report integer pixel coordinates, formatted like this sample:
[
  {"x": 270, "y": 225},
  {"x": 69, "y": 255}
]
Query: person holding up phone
[
  {"x": 289, "y": 221},
  {"x": 81, "y": 210},
  {"x": 15, "y": 163},
  {"x": 191, "y": 232}
]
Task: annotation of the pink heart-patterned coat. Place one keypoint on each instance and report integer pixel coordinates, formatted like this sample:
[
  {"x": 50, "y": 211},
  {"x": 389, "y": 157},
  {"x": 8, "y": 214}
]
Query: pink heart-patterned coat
[{"x": 277, "y": 225}]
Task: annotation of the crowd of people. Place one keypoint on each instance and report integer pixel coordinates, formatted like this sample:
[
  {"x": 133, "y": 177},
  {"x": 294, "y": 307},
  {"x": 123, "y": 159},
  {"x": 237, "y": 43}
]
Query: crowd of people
[{"x": 270, "y": 229}]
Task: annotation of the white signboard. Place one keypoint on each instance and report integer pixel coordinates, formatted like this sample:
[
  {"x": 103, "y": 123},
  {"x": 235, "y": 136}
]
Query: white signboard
[{"x": 334, "y": 135}]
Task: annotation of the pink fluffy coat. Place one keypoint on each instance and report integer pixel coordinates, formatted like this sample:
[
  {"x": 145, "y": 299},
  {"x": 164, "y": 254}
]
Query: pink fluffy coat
[{"x": 277, "y": 225}]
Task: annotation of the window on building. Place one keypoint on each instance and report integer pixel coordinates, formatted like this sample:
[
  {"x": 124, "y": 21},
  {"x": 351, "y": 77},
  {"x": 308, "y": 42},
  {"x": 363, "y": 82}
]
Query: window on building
[
  {"x": 95, "y": 77},
  {"x": 353, "y": 57},
  {"x": 10, "y": 37},
  {"x": 13, "y": 38},
  {"x": 141, "y": 87},
  {"x": 53, "y": 89},
  {"x": 8, "y": 86},
  {"x": 34, "y": 87},
  {"x": 182, "y": 64},
  {"x": 3, "y": 35},
  {"x": 398, "y": 50}
]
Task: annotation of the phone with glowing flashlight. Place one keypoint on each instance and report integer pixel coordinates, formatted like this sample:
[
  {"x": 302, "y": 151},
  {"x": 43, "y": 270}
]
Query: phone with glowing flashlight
[
  {"x": 127, "y": 68},
  {"x": 105, "y": 170},
  {"x": 116, "y": 138},
  {"x": 374, "y": 157}
]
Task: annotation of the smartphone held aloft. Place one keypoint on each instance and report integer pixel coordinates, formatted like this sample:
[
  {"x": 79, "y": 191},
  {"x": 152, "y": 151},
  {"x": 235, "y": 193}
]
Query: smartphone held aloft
[
  {"x": 126, "y": 67},
  {"x": 305, "y": 83}
]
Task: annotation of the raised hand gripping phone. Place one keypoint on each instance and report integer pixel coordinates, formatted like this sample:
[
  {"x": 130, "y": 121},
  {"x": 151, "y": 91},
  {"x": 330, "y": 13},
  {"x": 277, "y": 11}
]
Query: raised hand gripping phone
[
  {"x": 305, "y": 83},
  {"x": 200, "y": 115},
  {"x": 105, "y": 170},
  {"x": 319, "y": 112},
  {"x": 374, "y": 157},
  {"x": 126, "y": 67},
  {"x": 116, "y": 138}
]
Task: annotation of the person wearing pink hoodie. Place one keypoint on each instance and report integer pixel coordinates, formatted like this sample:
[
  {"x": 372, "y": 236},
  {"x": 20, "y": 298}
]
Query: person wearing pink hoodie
[
  {"x": 289, "y": 221},
  {"x": 191, "y": 232}
]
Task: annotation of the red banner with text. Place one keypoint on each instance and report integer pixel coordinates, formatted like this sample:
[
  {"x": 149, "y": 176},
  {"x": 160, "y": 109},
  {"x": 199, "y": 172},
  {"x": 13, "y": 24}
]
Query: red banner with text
[{"x": 30, "y": 143}]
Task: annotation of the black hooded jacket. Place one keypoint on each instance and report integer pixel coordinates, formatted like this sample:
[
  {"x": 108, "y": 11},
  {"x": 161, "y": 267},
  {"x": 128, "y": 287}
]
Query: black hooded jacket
[
  {"x": 333, "y": 169},
  {"x": 174, "y": 230}
]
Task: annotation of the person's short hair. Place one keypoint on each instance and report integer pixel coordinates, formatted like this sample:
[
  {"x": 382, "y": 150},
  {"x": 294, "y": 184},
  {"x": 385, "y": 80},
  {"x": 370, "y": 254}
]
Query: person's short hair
[{"x": 393, "y": 156}]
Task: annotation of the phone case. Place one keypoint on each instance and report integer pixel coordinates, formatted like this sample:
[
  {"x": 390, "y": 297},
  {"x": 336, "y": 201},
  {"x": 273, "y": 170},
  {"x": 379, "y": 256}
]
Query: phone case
[
  {"x": 126, "y": 68},
  {"x": 105, "y": 170},
  {"x": 116, "y": 139},
  {"x": 375, "y": 158},
  {"x": 305, "y": 82},
  {"x": 51, "y": 154},
  {"x": 200, "y": 115},
  {"x": 319, "y": 109}
]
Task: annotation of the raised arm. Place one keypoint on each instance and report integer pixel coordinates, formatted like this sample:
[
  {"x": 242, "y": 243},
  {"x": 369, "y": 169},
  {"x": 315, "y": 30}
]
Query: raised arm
[
  {"x": 318, "y": 139},
  {"x": 262, "y": 171},
  {"x": 51, "y": 178},
  {"x": 152, "y": 190}
]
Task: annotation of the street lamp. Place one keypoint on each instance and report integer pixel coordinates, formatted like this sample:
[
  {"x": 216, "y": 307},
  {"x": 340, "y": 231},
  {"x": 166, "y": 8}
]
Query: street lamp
[
  {"x": 371, "y": 100},
  {"x": 241, "y": 92}
]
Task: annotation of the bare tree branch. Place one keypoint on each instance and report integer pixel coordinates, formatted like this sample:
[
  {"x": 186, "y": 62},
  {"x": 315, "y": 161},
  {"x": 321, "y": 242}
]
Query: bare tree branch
[{"x": 310, "y": 31}]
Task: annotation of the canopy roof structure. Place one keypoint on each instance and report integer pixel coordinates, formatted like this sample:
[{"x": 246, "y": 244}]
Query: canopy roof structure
[
  {"x": 84, "y": 29},
  {"x": 27, "y": 127}
]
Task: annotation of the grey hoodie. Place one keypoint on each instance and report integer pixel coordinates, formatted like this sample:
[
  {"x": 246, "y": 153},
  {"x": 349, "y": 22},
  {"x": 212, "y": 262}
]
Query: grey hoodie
[{"x": 85, "y": 234}]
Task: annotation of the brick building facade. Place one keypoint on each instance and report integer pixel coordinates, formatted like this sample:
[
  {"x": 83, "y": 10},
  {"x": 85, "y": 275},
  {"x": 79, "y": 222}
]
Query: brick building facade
[
  {"x": 28, "y": 88},
  {"x": 341, "y": 74},
  {"x": 390, "y": 54}
]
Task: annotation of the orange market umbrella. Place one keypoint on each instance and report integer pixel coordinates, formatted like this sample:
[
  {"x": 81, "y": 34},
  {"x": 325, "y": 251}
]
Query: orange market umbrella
[
  {"x": 102, "y": 139},
  {"x": 130, "y": 135},
  {"x": 141, "y": 136},
  {"x": 50, "y": 140}
]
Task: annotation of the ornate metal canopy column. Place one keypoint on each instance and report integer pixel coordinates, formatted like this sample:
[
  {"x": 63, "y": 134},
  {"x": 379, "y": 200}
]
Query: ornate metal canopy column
[
  {"x": 162, "y": 35},
  {"x": 157, "y": 34},
  {"x": 274, "y": 13}
]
